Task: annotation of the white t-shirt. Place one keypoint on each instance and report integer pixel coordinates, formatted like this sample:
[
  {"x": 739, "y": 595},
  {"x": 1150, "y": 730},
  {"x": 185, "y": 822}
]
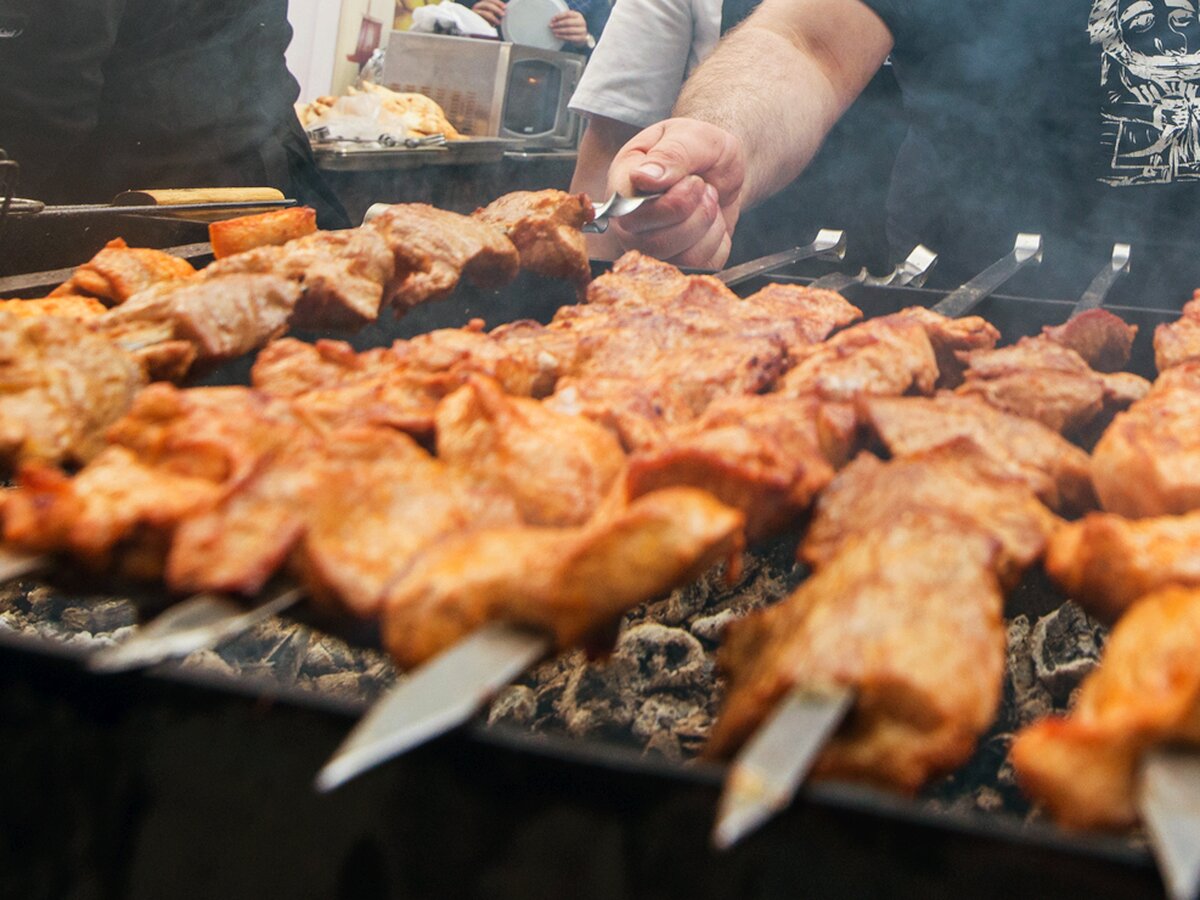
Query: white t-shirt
[{"x": 646, "y": 51}]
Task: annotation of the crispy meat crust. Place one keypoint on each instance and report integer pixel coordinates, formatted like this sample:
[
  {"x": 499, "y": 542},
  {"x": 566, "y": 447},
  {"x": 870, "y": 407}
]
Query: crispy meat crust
[
  {"x": 1179, "y": 342},
  {"x": 119, "y": 271},
  {"x": 1146, "y": 691},
  {"x": 1148, "y": 461},
  {"x": 545, "y": 228},
  {"x": 570, "y": 582}
]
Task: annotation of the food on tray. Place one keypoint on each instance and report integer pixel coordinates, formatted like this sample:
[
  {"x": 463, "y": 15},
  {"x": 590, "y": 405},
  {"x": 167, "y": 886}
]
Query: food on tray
[
  {"x": 119, "y": 271},
  {"x": 1147, "y": 463},
  {"x": 412, "y": 114},
  {"x": 1145, "y": 692},
  {"x": 904, "y": 607},
  {"x": 1106, "y": 561},
  {"x": 1178, "y": 342},
  {"x": 60, "y": 387},
  {"x": 278, "y": 226}
]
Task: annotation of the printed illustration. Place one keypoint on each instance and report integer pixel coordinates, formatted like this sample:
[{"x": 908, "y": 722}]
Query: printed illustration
[{"x": 1151, "y": 77}]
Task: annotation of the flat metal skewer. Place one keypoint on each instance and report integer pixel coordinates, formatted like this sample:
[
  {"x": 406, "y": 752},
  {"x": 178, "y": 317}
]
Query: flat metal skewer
[
  {"x": 14, "y": 564},
  {"x": 1097, "y": 292},
  {"x": 1169, "y": 801},
  {"x": 1027, "y": 250},
  {"x": 765, "y": 776},
  {"x": 198, "y": 623},
  {"x": 828, "y": 244},
  {"x": 912, "y": 272},
  {"x": 433, "y": 698}
]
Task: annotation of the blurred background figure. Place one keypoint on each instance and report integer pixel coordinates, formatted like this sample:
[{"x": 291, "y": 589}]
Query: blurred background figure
[
  {"x": 102, "y": 96},
  {"x": 579, "y": 28}
]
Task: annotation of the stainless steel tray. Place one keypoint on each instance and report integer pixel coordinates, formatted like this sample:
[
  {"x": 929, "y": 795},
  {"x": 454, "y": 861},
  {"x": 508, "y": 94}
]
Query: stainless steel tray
[{"x": 340, "y": 156}]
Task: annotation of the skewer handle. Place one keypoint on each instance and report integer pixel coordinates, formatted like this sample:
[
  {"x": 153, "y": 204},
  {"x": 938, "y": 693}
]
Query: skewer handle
[
  {"x": 1026, "y": 251},
  {"x": 1094, "y": 296}
]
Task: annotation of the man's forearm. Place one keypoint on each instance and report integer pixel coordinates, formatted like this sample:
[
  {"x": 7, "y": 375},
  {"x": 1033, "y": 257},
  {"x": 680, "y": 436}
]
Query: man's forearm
[{"x": 781, "y": 81}]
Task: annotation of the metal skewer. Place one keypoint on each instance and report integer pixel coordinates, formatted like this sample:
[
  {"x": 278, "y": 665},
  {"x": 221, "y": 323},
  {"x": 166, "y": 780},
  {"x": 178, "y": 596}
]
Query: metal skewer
[
  {"x": 1169, "y": 801},
  {"x": 435, "y": 697},
  {"x": 910, "y": 273},
  {"x": 201, "y": 622},
  {"x": 765, "y": 775},
  {"x": 14, "y": 565},
  {"x": 1094, "y": 296},
  {"x": 828, "y": 244}
]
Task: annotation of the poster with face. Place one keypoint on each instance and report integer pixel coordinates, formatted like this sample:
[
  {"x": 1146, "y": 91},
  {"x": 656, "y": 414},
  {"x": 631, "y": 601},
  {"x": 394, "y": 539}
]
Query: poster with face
[{"x": 1150, "y": 72}]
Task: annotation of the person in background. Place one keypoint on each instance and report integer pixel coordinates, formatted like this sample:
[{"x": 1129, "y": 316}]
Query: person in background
[
  {"x": 579, "y": 27},
  {"x": 1074, "y": 120},
  {"x": 102, "y": 96},
  {"x": 633, "y": 80}
]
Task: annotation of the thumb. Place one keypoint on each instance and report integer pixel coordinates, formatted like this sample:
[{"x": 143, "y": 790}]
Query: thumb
[{"x": 664, "y": 154}]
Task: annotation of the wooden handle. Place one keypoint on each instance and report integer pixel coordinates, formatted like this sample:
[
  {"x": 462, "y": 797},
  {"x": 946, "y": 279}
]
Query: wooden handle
[{"x": 174, "y": 196}]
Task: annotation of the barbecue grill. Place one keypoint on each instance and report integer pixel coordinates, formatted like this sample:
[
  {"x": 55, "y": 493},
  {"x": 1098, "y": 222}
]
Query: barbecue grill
[{"x": 628, "y": 795}]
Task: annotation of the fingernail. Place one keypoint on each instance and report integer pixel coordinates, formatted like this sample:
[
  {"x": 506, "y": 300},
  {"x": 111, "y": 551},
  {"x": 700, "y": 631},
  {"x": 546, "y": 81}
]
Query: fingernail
[{"x": 651, "y": 170}]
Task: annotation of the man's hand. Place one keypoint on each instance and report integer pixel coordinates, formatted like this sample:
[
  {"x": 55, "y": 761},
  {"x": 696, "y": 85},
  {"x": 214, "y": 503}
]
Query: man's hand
[
  {"x": 491, "y": 10},
  {"x": 570, "y": 26},
  {"x": 699, "y": 169}
]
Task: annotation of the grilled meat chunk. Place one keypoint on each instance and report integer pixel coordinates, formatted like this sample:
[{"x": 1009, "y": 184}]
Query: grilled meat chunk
[
  {"x": 1106, "y": 561},
  {"x": 1041, "y": 379},
  {"x": 1104, "y": 340},
  {"x": 1148, "y": 461},
  {"x": 951, "y": 338},
  {"x": 434, "y": 248},
  {"x": 382, "y": 501},
  {"x": 1179, "y": 341},
  {"x": 342, "y": 273},
  {"x": 891, "y": 355},
  {"x": 66, "y": 306},
  {"x": 955, "y": 480},
  {"x": 545, "y": 228},
  {"x": 557, "y": 468},
  {"x": 767, "y": 456},
  {"x": 219, "y": 318},
  {"x": 1056, "y": 470},
  {"x": 573, "y": 583},
  {"x": 1146, "y": 691},
  {"x": 910, "y": 617},
  {"x": 60, "y": 387},
  {"x": 119, "y": 271}
]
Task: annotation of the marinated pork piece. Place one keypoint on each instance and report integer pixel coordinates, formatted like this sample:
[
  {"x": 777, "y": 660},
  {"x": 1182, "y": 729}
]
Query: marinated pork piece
[
  {"x": 219, "y": 318},
  {"x": 887, "y": 356},
  {"x": 230, "y": 236},
  {"x": 1179, "y": 342},
  {"x": 955, "y": 481},
  {"x": 767, "y": 456},
  {"x": 951, "y": 338},
  {"x": 1145, "y": 692},
  {"x": 119, "y": 271},
  {"x": 1148, "y": 461},
  {"x": 66, "y": 306},
  {"x": 909, "y": 616},
  {"x": 574, "y": 583},
  {"x": 172, "y": 455},
  {"x": 60, "y": 387},
  {"x": 434, "y": 248},
  {"x": 383, "y": 501},
  {"x": 1104, "y": 340},
  {"x": 1106, "y": 562},
  {"x": 1053, "y": 468},
  {"x": 545, "y": 227},
  {"x": 557, "y": 468},
  {"x": 1041, "y": 379},
  {"x": 342, "y": 274}
]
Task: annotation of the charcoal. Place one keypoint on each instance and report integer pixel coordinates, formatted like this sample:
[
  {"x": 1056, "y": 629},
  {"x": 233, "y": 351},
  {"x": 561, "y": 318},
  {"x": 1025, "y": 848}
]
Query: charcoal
[
  {"x": 325, "y": 656},
  {"x": 595, "y": 702},
  {"x": 1064, "y": 646},
  {"x": 286, "y": 657},
  {"x": 710, "y": 628},
  {"x": 343, "y": 685},
  {"x": 209, "y": 661},
  {"x": 516, "y": 705},
  {"x": 654, "y": 657},
  {"x": 666, "y": 714},
  {"x": 100, "y": 616},
  {"x": 1026, "y": 697}
]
